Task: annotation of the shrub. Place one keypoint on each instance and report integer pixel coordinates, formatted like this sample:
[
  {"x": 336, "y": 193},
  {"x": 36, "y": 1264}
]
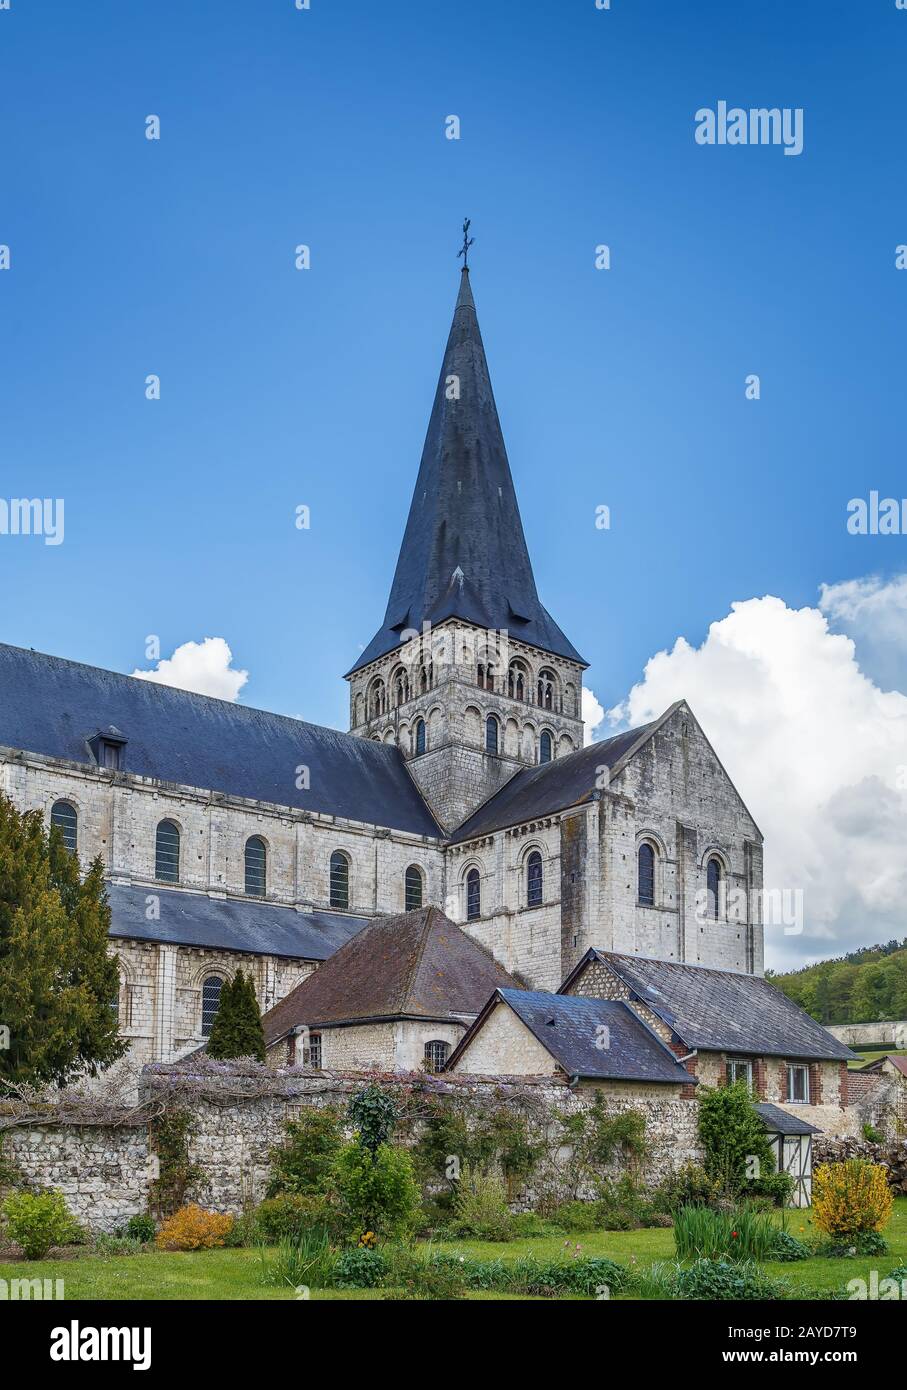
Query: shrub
[
  {"x": 244, "y": 1232},
  {"x": 872, "y": 1135},
  {"x": 292, "y": 1214},
  {"x": 778, "y": 1188},
  {"x": 480, "y": 1207},
  {"x": 304, "y": 1163},
  {"x": 308, "y": 1261},
  {"x": 712, "y": 1280},
  {"x": 193, "y": 1228},
  {"x": 787, "y": 1248},
  {"x": 689, "y": 1186},
  {"x": 377, "y": 1193},
  {"x": 732, "y": 1134},
  {"x": 413, "y": 1277},
  {"x": 859, "y": 1243},
  {"x": 850, "y": 1197},
  {"x": 141, "y": 1227},
  {"x": 36, "y": 1221},
  {"x": 360, "y": 1268},
  {"x": 105, "y": 1243},
  {"x": 528, "y": 1225},
  {"x": 374, "y": 1114},
  {"x": 700, "y": 1233},
  {"x": 579, "y": 1217}
]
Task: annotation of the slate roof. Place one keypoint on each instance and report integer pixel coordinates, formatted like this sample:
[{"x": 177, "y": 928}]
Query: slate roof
[
  {"x": 415, "y": 965},
  {"x": 52, "y": 707},
  {"x": 721, "y": 1010},
  {"x": 780, "y": 1122},
  {"x": 569, "y": 1028},
  {"x": 228, "y": 924},
  {"x": 464, "y": 554},
  {"x": 540, "y": 791}
]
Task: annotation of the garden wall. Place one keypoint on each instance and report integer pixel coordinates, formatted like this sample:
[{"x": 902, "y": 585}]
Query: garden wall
[{"x": 103, "y": 1161}]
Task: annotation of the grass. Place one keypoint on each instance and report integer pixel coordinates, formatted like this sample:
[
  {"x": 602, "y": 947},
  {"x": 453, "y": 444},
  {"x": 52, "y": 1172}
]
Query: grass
[
  {"x": 237, "y": 1275},
  {"x": 864, "y": 1057}
]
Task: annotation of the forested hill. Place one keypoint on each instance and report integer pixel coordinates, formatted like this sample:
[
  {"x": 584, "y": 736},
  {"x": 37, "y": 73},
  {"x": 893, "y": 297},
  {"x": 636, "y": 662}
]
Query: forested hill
[{"x": 862, "y": 987}]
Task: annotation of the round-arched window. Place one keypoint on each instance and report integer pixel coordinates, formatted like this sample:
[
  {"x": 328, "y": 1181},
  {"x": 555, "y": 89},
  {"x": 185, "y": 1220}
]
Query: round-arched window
[
  {"x": 645, "y": 877},
  {"x": 414, "y": 885},
  {"x": 210, "y": 1002},
  {"x": 473, "y": 895},
  {"x": 256, "y": 866},
  {"x": 545, "y": 747},
  {"x": 167, "y": 852},
  {"x": 491, "y": 734},
  {"x": 534, "y": 879},
  {"x": 419, "y": 740},
  {"x": 66, "y": 818},
  {"x": 340, "y": 879}
]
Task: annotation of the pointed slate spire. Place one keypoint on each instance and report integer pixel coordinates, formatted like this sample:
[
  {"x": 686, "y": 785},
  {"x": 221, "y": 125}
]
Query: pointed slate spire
[{"x": 464, "y": 554}]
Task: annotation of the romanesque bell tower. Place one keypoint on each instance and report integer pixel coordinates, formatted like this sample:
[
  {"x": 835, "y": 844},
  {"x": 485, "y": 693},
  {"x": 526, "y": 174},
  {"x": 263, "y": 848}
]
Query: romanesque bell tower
[{"x": 468, "y": 674}]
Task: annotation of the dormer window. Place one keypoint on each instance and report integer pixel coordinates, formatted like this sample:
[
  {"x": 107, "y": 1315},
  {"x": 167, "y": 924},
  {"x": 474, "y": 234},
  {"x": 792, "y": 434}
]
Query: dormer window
[{"x": 108, "y": 746}]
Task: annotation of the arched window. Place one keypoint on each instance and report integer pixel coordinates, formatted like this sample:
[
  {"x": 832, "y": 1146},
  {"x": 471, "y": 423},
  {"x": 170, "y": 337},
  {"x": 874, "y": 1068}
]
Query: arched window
[
  {"x": 516, "y": 682},
  {"x": 534, "y": 879},
  {"x": 473, "y": 895},
  {"x": 401, "y": 688},
  {"x": 413, "y": 888},
  {"x": 210, "y": 1000},
  {"x": 66, "y": 818},
  {"x": 491, "y": 734},
  {"x": 546, "y": 687},
  {"x": 376, "y": 699},
  {"x": 340, "y": 879},
  {"x": 713, "y": 885},
  {"x": 645, "y": 875},
  {"x": 256, "y": 866},
  {"x": 167, "y": 852},
  {"x": 436, "y": 1054},
  {"x": 419, "y": 740},
  {"x": 426, "y": 676},
  {"x": 545, "y": 747}
]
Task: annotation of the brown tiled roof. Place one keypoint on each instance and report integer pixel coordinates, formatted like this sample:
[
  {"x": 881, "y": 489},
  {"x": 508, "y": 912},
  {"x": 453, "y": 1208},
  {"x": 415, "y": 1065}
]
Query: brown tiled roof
[
  {"x": 416, "y": 965},
  {"x": 900, "y": 1063}
]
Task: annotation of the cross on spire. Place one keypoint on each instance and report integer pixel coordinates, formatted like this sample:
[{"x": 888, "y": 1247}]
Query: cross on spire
[{"x": 467, "y": 242}]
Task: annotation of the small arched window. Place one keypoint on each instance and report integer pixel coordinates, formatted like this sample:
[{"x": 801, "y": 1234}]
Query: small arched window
[
  {"x": 645, "y": 877},
  {"x": 436, "y": 1054},
  {"x": 413, "y": 890},
  {"x": 376, "y": 699},
  {"x": 473, "y": 895},
  {"x": 546, "y": 683},
  {"x": 419, "y": 740},
  {"x": 66, "y": 818},
  {"x": 713, "y": 885},
  {"x": 491, "y": 734},
  {"x": 545, "y": 747},
  {"x": 167, "y": 852},
  {"x": 210, "y": 1001},
  {"x": 516, "y": 682},
  {"x": 340, "y": 879},
  {"x": 256, "y": 866},
  {"x": 534, "y": 881}
]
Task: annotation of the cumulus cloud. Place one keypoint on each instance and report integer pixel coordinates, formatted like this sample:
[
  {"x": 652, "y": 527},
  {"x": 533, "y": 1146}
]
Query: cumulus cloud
[
  {"x": 204, "y": 667},
  {"x": 873, "y": 612},
  {"x": 593, "y": 713},
  {"x": 817, "y": 751}
]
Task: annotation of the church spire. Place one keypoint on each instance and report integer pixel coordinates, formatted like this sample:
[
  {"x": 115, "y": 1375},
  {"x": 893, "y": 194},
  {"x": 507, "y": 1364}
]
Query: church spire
[{"x": 464, "y": 554}]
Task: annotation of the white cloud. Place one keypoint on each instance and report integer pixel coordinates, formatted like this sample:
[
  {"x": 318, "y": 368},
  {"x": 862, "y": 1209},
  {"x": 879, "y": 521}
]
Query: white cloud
[
  {"x": 874, "y": 613},
  {"x": 593, "y": 713},
  {"x": 203, "y": 667},
  {"x": 817, "y": 751}
]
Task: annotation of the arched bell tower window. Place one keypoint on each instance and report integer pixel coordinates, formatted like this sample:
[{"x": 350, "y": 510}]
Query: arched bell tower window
[
  {"x": 473, "y": 895},
  {"x": 713, "y": 886},
  {"x": 516, "y": 681},
  {"x": 547, "y": 684},
  {"x": 256, "y": 866},
  {"x": 66, "y": 818},
  {"x": 491, "y": 734},
  {"x": 419, "y": 740},
  {"x": 545, "y": 747},
  {"x": 645, "y": 876},
  {"x": 167, "y": 852}
]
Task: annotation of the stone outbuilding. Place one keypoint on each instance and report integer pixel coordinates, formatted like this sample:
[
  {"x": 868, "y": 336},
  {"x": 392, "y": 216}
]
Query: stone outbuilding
[{"x": 398, "y": 996}]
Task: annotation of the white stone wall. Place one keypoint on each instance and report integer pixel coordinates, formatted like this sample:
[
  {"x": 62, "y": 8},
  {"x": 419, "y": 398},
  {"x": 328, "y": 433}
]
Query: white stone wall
[{"x": 504, "y": 1044}]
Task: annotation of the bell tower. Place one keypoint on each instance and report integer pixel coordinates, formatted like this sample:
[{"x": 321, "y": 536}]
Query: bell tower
[{"x": 468, "y": 674}]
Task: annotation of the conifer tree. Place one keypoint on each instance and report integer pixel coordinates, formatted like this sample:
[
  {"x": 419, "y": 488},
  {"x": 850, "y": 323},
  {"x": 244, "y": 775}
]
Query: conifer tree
[
  {"x": 58, "y": 984},
  {"x": 237, "y": 1030}
]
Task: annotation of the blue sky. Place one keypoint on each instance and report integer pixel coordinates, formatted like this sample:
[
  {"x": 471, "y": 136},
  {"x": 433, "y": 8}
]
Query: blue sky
[{"x": 283, "y": 387}]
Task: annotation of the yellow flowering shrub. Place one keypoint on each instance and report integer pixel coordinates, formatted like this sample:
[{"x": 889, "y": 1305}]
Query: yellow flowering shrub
[
  {"x": 193, "y": 1228},
  {"x": 850, "y": 1197}
]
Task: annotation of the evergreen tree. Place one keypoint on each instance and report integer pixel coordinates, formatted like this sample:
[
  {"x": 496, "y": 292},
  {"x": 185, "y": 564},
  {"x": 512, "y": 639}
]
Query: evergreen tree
[
  {"x": 58, "y": 984},
  {"x": 236, "y": 1030}
]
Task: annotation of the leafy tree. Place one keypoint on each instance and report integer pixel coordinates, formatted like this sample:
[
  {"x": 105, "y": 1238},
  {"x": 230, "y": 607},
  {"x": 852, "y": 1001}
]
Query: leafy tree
[
  {"x": 237, "y": 1030},
  {"x": 374, "y": 1113},
  {"x": 58, "y": 984},
  {"x": 377, "y": 1190},
  {"x": 732, "y": 1134}
]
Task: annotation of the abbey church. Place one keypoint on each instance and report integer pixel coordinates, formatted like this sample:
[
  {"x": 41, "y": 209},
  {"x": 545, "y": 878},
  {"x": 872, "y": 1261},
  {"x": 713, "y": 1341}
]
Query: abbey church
[{"x": 406, "y": 893}]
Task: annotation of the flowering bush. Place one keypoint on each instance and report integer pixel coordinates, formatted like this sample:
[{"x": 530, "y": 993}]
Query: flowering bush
[
  {"x": 850, "y": 1197},
  {"x": 193, "y": 1228}
]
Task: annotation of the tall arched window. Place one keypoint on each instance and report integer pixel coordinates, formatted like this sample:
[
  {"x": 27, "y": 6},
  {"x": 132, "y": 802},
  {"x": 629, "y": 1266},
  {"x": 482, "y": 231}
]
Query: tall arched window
[
  {"x": 413, "y": 888},
  {"x": 66, "y": 818},
  {"x": 516, "y": 682},
  {"x": 419, "y": 740},
  {"x": 376, "y": 699},
  {"x": 340, "y": 879},
  {"x": 534, "y": 879},
  {"x": 491, "y": 734},
  {"x": 545, "y": 747},
  {"x": 546, "y": 686},
  {"x": 645, "y": 875},
  {"x": 473, "y": 895},
  {"x": 436, "y": 1054},
  {"x": 713, "y": 885},
  {"x": 256, "y": 866},
  {"x": 167, "y": 852},
  {"x": 210, "y": 1000}
]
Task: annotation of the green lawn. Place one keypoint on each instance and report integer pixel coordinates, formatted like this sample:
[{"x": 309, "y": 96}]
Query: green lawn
[
  {"x": 864, "y": 1057},
  {"x": 236, "y": 1274}
]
